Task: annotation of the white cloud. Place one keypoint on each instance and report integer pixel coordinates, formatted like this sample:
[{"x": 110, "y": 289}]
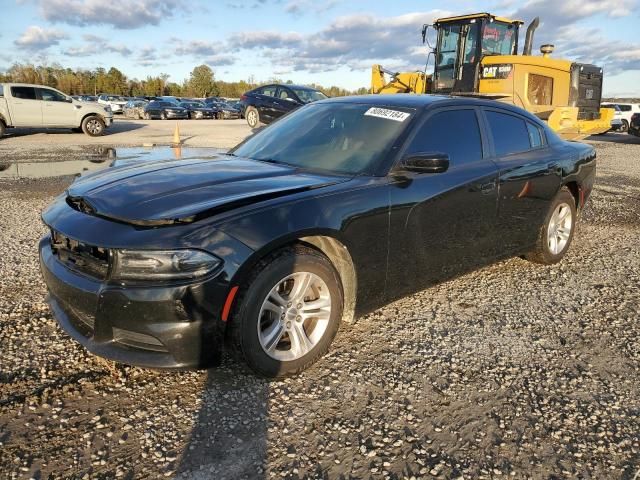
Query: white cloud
[
  {"x": 123, "y": 14},
  {"x": 95, "y": 45},
  {"x": 38, "y": 38},
  {"x": 355, "y": 41}
]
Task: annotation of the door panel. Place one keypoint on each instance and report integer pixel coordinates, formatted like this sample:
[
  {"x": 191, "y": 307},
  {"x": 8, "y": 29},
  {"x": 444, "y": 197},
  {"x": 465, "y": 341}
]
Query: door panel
[
  {"x": 282, "y": 105},
  {"x": 443, "y": 224},
  {"x": 25, "y": 108},
  {"x": 529, "y": 178},
  {"x": 56, "y": 111}
]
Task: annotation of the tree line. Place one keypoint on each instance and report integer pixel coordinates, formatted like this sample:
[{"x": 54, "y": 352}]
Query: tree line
[{"x": 201, "y": 82}]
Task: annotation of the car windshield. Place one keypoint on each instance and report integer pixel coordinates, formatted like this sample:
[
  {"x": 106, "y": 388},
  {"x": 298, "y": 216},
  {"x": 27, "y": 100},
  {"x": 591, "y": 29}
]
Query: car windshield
[
  {"x": 307, "y": 95},
  {"x": 345, "y": 138}
]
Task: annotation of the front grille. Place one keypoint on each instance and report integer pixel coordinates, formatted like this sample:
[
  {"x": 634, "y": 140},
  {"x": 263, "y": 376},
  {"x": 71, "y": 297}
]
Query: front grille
[{"x": 80, "y": 257}]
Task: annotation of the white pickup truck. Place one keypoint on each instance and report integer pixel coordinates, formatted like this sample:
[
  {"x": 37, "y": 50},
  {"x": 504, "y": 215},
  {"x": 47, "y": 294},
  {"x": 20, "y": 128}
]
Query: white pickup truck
[{"x": 36, "y": 106}]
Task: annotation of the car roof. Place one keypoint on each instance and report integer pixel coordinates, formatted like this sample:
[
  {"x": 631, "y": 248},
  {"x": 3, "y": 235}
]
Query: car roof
[{"x": 421, "y": 101}]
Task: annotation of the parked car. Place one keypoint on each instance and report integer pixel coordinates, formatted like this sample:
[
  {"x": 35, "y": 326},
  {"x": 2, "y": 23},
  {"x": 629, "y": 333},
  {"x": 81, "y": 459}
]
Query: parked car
[
  {"x": 236, "y": 104},
  {"x": 334, "y": 210},
  {"x": 164, "y": 110},
  {"x": 36, "y": 106},
  {"x": 634, "y": 125},
  {"x": 267, "y": 103},
  {"x": 224, "y": 111},
  {"x": 626, "y": 112},
  {"x": 198, "y": 110},
  {"x": 617, "y": 123},
  {"x": 115, "y": 102},
  {"x": 85, "y": 98},
  {"x": 134, "y": 109}
]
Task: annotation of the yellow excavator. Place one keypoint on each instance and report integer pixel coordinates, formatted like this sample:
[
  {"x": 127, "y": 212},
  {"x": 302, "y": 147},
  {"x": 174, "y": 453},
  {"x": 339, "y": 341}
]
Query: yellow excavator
[{"x": 477, "y": 55}]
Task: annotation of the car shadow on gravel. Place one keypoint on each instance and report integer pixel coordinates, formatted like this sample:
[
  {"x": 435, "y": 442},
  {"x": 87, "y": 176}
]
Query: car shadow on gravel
[
  {"x": 229, "y": 436},
  {"x": 116, "y": 127},
  {"x": 615, "y": 138}
]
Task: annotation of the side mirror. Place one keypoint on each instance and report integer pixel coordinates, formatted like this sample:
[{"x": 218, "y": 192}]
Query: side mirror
[{"x": 426, "y": 162}]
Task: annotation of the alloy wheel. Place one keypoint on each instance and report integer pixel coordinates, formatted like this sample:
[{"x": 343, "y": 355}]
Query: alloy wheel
[
  {"x": 559, "y": 229},
  {"x": 94, "y": 126},
  {"x": 252, "y": 118},
  {"x": 294, "y": 316}
]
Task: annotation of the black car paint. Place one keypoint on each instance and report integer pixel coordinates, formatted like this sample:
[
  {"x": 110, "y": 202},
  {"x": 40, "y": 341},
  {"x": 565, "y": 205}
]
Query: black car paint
[
  {"x": 270, "y": 107},
  {"x": 400, "y": 231}
]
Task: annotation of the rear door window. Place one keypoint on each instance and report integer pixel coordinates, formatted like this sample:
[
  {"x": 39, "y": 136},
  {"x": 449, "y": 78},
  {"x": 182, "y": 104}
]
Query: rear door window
[
  {"x": 441, "y": 134},
  {"x": 25, "y": 93},
  {"x": 536, "y": 138},
  {"x": 1, "y": 90},
  {"x": 269, "y": 91},
  {"x": 510, "y": 133}
]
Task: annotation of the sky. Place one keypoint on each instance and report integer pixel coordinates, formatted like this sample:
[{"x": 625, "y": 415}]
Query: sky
[{"x": 331, "y": 42}]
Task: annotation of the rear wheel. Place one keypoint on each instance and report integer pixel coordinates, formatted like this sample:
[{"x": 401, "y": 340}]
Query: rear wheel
[
  {"x": 93, "y": 126},
  {"x": 3, "y": 128},
  {"x": 253, "y": 117},
  {"x": 625, "y": 126},
  {"x": 147, "y": 116},
  {"x": 288, "y": 313},
  {"x": 557, "y": 230}
]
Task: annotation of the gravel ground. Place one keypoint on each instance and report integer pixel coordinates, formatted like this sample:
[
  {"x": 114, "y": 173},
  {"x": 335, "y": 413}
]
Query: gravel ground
[{"x": 513, "y": 371}]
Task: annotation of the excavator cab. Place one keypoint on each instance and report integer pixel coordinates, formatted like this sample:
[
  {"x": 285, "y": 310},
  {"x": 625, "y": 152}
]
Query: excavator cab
[{"x": 461, "y": 44}]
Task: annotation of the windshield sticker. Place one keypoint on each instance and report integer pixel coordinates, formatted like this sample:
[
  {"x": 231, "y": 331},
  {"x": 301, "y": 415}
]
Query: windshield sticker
[{"x": 388, "y": 114}]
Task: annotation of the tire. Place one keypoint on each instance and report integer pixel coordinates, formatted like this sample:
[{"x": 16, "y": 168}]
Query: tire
[
  {"x": 3, "y": 129},
  {"x": 625, "y": 126},
  {"x": 253, "y": 117},
  {"x": 147, "y": 116},
  {"x": 163, "y": 115},
  {"x": 93, "y": 126},
  {"x": 555, "y": 236},
  {"x": 259, "y": 319}
]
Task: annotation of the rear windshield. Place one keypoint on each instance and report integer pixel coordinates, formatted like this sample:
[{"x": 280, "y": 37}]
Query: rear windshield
[{"x": 343, "y": 138}]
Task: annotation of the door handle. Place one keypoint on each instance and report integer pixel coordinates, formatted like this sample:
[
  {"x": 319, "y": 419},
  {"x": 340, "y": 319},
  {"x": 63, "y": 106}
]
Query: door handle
[{"x": 487, "y": 188}]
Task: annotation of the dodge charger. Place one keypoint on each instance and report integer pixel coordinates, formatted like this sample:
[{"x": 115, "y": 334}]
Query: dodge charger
[{"x": 330, "y": 212}]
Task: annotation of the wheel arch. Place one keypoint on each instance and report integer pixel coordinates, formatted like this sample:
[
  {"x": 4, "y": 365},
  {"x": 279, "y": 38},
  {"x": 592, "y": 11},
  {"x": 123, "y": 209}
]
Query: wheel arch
[
  {"x": 91, "y": 114},
  {"x": 327, "y": 244},
  {"x": 576, "y": 191}
]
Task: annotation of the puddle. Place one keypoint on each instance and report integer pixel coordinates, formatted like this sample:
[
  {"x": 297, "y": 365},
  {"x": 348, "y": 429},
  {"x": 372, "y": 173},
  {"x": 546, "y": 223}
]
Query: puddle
[{"x": 63, "y": 163}]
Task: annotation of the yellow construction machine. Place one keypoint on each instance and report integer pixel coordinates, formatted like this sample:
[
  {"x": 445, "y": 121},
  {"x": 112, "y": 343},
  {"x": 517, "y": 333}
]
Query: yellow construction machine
[{"x": 477, "y": 55}]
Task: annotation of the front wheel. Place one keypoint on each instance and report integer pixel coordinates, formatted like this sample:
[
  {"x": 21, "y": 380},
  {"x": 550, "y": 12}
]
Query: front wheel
[
  {"x": 163, "y": 116},
  {"x": 557, "y": 230},
  {"x": 3, "y": 128},
  {"x": 288, "y": 312},
  {"x": 253, "y": 117},
  {"x": 93, "y": 126}
]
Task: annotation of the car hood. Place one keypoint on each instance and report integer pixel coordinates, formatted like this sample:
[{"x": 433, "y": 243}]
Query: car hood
[{"x": 183, "y": 191}]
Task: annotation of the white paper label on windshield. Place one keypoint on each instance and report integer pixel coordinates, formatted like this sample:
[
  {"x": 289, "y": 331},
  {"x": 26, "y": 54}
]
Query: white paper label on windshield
[{"x": 388, "y": 114}]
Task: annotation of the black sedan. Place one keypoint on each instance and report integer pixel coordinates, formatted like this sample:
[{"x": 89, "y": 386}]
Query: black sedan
[
  {"x": 266, "y": 104},
  {"x": 164, "y": 111},
  {"x": 225, "y": 111},
  {"x": 198, "y": 110},
  {"x": 329, "y": 213}
]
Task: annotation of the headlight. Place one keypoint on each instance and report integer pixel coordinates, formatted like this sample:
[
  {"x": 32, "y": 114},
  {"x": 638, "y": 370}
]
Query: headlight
[{"x": 162, "y": 264}]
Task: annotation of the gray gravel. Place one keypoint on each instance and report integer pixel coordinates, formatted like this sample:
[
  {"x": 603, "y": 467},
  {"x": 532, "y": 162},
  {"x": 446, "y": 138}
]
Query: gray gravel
[{"x": 512, "y": 371}]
